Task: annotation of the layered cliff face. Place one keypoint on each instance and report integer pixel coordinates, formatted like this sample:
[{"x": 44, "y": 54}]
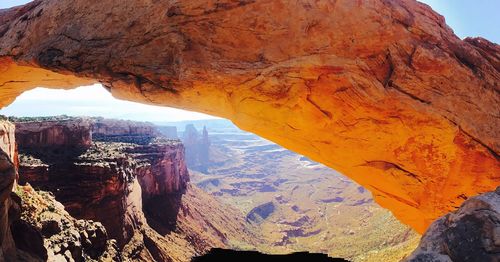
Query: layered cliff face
[
  {"x": 8, "y": 210},
  {"x": 69, "y": 132},
  {"x": 107, "y": 181},
  {"x": 7, "y": 139},
  {"x": 389, "y": 97},
  {"x": 35, "y": 227},
  {"x": 139, "y": 192},
  {"x": 123, "y": 131}
]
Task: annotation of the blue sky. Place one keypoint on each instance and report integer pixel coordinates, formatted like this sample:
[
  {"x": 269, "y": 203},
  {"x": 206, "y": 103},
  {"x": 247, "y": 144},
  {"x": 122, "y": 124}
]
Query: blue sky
[{"x": 465, "y": 17}]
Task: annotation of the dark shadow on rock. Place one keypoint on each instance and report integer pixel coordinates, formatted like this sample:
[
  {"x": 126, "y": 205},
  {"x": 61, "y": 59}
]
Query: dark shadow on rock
[
  {"x": 28, "y": 239},
  {"x": 54, "y": 155},
  {"x": 218, "y": 254},
  {"x": 161, "y": 212}
]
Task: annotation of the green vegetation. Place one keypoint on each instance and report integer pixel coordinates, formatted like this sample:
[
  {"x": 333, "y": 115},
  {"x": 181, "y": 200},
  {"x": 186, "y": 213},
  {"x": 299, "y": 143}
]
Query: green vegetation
[{"x": 41, "y": 118}]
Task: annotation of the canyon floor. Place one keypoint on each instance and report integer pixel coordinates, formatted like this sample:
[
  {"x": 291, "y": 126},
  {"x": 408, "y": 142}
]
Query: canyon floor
[{"x": 298, "y": 204}]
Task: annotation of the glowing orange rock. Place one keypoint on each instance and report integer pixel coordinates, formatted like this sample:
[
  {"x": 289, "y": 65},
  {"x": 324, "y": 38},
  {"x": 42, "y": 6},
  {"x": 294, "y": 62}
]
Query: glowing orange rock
[{"x": 382, "y": 91}]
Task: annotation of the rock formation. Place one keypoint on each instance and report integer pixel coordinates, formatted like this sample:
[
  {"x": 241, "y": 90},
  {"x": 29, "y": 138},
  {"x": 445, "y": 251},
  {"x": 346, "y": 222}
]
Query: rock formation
[
  {"x": 197, "y": 148},
  {"x": 7, "y": 176},
  {"x": 123, "y": 131},
  {"x": 108, "y": 181},
  {"x": 25, "y": 219},
  {"x": 260, "y": 212},
  {"x": 47, "y": 232},
  {"x": 138, "y": 190},
  {"x": 72, "y": 132},
  {"x": 389, "y": 96},
  {"x": 472, "y": 233},
  {"x": 168, "y": 131}
]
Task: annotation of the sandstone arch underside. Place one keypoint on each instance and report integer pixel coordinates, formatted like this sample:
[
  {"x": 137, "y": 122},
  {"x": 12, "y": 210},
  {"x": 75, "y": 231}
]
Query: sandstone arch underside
[{"x": 382, "y": 91}]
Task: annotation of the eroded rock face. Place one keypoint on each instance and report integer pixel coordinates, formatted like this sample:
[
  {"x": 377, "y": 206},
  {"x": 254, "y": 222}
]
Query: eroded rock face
[
  {"x": 123, "y": 131},
  {"x": 8, "y": 158},
  {"x": 165, "y": 172},
  {"x": 105, "y": 181},
  {"x": 389, "y": 97},
  {"x": 48, "y": 233},
  {"x": 139, "y": 192},
  {"x": 472, "y": 233},
  {"x": 70, "y": 132}
]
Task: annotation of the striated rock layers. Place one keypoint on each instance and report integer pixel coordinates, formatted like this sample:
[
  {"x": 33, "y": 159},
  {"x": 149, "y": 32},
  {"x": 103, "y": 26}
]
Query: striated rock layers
[
  {"x": 27, "y": 218},
  {"x": 389, "y": 96},
  {"x": 139, "y": 191},
  {"x": 9, "y": 209},
  {"x": 472, "y": 233},
  {"x": 107, "y": 181},
  {"x": 69, "y": 132},
  {"x": 123, "y": 131},
  {"x": 197, "y": 148}
]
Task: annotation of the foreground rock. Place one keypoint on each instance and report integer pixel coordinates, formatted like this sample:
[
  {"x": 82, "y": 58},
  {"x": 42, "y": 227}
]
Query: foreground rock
[
  {"x": 472, "y": 233},
  {"x": 46, "y": 232},
  {"x": 389, "y": 96},
  {"x": 9, "y": 209}
]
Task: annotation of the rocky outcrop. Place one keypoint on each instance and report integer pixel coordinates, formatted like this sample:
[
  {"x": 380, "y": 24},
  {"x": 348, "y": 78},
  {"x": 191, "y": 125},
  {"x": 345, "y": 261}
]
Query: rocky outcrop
[
  {"x": 108, "y": 182},
  {"x": 48, "y": 233},
  {"x": 138, "y": 191},
  {"x": 168, "y": 131},
  {"x": 35, "y": 133},
  {"x": 197, "y": 148},
  {"x": 123, "y": 131},
  {"x": 8, "y": 210},
  {"x": 165, "y": 172},
  {"x": 472, "y": 233},
  {"x": 7, "y": 139},
  {"x": 389, "y": 97},
  {"x": 34, "y": 227}
]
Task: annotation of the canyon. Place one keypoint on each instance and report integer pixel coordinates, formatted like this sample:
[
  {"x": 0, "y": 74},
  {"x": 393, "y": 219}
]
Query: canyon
[
  {"x": 126, "y": 195},
  {"x": 389, "y": 97},
  {"x": 132, "y": 181},
  {"x": 297, "y": 204}
]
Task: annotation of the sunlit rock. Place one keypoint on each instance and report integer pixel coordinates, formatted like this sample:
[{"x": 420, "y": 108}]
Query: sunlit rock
[{"x": 388, "y": 96}]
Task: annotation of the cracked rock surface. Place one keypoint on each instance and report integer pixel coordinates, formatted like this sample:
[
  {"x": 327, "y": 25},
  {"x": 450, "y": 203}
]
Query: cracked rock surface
[{"x": 382, "y": 91}]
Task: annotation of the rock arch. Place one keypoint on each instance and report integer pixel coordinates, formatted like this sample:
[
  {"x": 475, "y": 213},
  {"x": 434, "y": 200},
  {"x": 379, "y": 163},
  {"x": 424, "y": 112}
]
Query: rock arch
[{"x": 382, "y": 91}]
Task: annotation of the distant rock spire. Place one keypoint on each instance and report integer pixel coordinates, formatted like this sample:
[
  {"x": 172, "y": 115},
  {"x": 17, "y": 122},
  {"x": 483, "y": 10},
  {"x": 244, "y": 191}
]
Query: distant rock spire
[{"x": 197, "y": 148}]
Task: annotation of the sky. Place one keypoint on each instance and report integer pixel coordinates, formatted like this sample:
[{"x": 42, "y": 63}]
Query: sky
[
  {"x": 465, "y": 17},
  {"x": 92, "y": 101}
]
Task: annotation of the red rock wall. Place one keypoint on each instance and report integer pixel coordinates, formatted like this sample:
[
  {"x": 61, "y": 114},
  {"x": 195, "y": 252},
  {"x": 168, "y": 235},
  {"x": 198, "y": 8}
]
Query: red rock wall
[
  {"x": 166, "y": 172},
  {"x": 113, "y": 127},
  {"x": 7, "y": 139},
  {"x": 73, "y": 132},
  {"x": 8, "y": 162},
  {"x": 105, "y": 182}
]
